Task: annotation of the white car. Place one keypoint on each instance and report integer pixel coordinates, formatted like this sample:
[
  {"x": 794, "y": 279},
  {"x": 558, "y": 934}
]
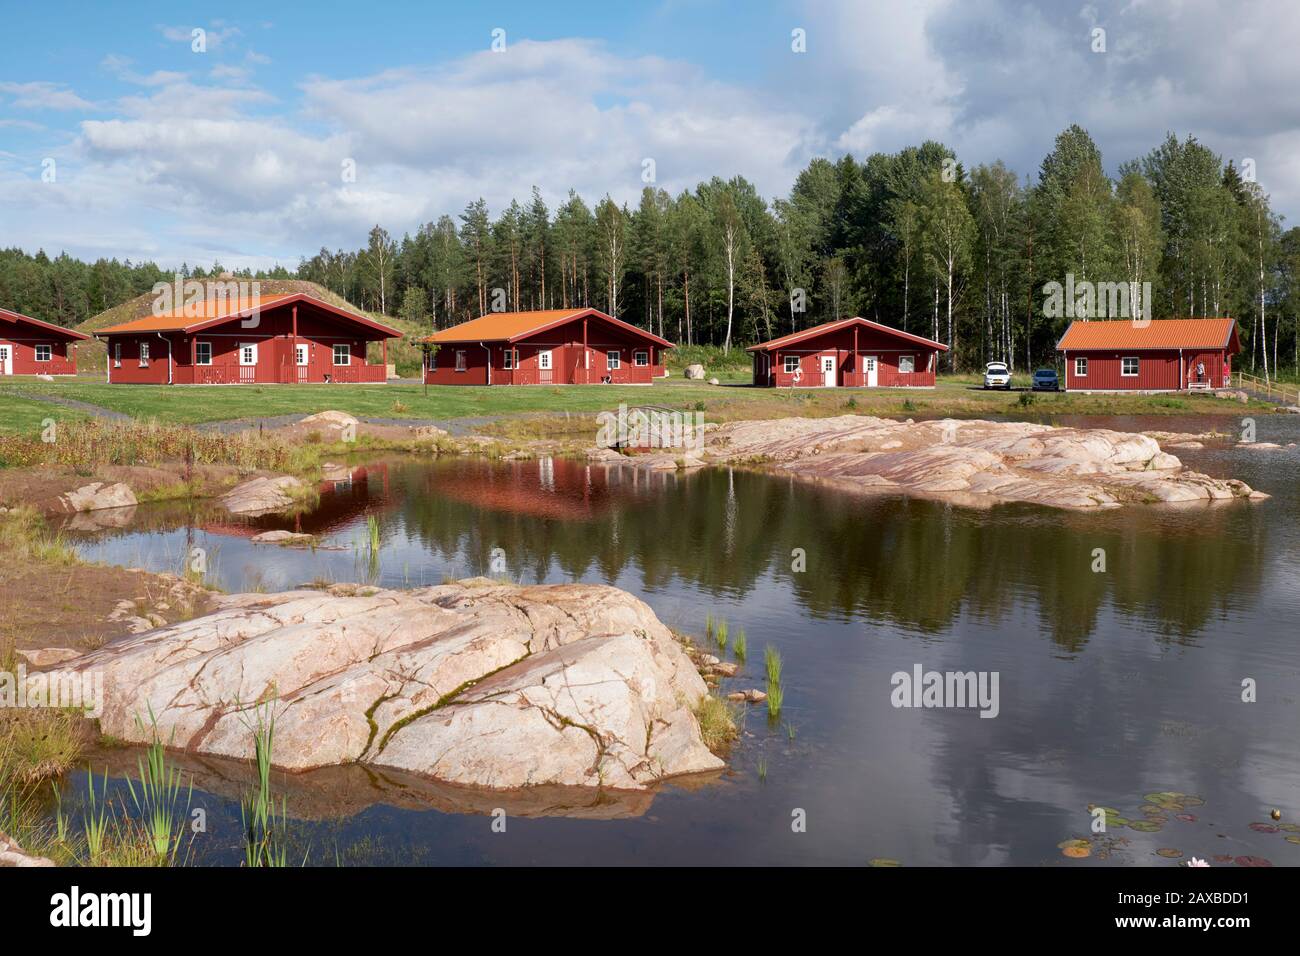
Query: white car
[{"x": 997, "y": 375}]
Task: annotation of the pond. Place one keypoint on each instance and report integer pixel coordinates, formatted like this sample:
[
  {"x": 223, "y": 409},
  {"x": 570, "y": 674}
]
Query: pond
[{"x": 1115, "y": 687}]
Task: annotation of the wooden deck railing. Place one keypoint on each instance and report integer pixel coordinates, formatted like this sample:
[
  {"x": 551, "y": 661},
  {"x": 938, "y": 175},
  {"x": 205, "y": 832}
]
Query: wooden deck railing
[{"x": 1273, "y": 391}]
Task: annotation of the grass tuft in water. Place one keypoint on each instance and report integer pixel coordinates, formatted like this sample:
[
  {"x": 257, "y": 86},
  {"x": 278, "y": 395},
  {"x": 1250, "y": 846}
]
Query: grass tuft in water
[
  {"x": 739, "y": 646},
  {"x": 720, "y": 635}
]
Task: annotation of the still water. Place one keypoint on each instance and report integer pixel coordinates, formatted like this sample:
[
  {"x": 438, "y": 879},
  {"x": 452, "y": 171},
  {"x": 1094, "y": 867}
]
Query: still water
[{"x": 1112, "y": 684}]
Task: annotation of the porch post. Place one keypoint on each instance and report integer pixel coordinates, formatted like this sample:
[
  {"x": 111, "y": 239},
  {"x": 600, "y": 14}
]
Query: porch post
[
  {"x": 857, "y": 372},
  {"x": 586, "y": 356},
  {"x": 293, "y": 346},
  {"x": 385, "y": 341}
]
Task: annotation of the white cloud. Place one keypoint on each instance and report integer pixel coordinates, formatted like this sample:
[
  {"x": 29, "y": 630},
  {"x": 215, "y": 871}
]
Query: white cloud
[{"x": 44, "y": 96}]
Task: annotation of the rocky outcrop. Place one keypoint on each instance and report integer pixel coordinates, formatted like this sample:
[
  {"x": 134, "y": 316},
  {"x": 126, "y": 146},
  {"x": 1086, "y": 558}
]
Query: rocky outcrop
[
  {"x": 259, "y": 496},
  {"x": 973, "y": 462},
  {"x": 330, "y": 419},
  {"x": 11, "y": 854},
  {"x": 96, "y": 496},
  {"x": 695, "y": 372},
  {"x": 476, "y": 683}
]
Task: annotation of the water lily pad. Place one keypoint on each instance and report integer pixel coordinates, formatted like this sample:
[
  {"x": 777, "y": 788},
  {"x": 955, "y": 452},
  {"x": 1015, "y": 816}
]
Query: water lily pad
[
  {"x": 1263, "y": 828},
  {"x": 1067, "y": 844},
  {"x": 1293, "y": 839},
  {"x": 1187, "y": 817},
  {"x": 1251, "y": 861},
  {"x": 884, "y": 861},
  {"x": 1116, "y": 821},
  {"x": 1077, "y": 852},
  {"x": 1169, "y": 853},
  {"x": 1145, "y": 826},
  {"x": 1223, "y": 858},
  {"x": 1289, "y": 827}
]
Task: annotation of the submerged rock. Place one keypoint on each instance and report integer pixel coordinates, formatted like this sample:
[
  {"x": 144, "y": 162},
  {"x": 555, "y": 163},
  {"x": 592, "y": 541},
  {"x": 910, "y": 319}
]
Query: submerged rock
[
  {"x": 477, "y": 683},
  {"x": 973, "y": 462},
  {"x": 282, "y": 537}
]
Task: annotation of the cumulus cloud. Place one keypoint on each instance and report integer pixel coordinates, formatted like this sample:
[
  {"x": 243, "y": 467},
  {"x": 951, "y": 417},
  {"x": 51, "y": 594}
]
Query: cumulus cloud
[{"x": 193, "y": 166}]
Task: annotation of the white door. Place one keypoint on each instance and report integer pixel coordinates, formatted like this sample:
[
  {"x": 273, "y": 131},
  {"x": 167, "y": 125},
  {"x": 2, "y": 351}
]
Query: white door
[
  {"x": 828, "y": 371},
  {"x": 869, "y": 364},
  {"x": 6, "y": 360},
  {"x": 544, "y": 366}
]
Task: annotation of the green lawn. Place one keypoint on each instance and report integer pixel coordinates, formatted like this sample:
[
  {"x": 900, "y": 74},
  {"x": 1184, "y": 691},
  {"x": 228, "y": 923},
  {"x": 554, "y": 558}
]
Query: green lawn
[{"x": 195, "y": 404}]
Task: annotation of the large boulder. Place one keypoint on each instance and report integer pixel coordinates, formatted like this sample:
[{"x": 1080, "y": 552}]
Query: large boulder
[
  {"x": 97, "y": 496},
  {"x": 259, "y": 496},
  {"x": 477, "y": 683},
  {"x": 973, "y": 462},
  {"x": 330, "y": 419},
  {"x": 11, "y": 854},
  {"x": 695, "y": 372}
]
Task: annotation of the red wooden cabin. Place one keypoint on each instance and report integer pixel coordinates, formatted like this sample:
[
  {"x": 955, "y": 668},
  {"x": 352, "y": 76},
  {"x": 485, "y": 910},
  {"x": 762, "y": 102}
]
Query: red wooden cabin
[
  {"x": 545, "y": 347},
  {"x": 285, "y": 339},
  {"x": 31, "y": 347},
  {"x": 853, "y": 353},
  {"x": 1121, "y": 355}
]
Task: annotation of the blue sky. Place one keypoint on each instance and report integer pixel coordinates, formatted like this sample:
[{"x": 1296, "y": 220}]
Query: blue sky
[{"x": 236, "y": 153}]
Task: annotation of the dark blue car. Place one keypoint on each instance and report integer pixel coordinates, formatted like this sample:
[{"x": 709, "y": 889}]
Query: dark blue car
[{"x": 1045, "y": 380}]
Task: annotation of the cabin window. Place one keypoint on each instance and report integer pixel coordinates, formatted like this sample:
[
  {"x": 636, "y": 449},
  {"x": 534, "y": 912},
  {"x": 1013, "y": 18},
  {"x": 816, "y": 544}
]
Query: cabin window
[
  {"x": 508, "y": 358},
  {"x": 117, "y": 355},
  {"x": 248, "y": 353},
  {"x": 906, "y": 364},
  {"x": 300, "y": 354},
  {"x": 342, "y": 353},
  {"x": 791, "y": 364},
  {"x": 202, "y": 353},
  {"x": 460, "y": 360},
  {"x": 431, "y": 360},
  {"x": 1081, "y": 368},
  {"x": 1128, "y": 366},
  {"x": 642, "y": 358},
  {"x": 612, "y": 360},
  {"x": 144, "y": 354},
  {"x": 43, "y": 353}
]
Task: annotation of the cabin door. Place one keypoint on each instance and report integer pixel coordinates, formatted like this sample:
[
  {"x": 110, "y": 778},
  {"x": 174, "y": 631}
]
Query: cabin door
[
  {"x": 6, "y": 360},
  {"x": 828, "y": 371},
  {"x": 869, "y": 365},
  {"x": 544, "y": 367}
]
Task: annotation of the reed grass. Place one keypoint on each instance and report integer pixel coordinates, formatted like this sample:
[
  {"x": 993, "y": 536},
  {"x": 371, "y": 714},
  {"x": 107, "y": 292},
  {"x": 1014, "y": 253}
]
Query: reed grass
[
  {"x": 739, "y": 646},
  {"x": 720, "y": 634}
]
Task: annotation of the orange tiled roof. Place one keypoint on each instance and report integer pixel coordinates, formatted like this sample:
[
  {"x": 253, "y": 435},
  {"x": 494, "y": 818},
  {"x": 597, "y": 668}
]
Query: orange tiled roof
[
  {"x": 214, "y": 310},
  {"x": 510, "y": 326},
  {"x": 1156, "y": 334},
  {"x": 815, "y": 330},
  {"x": 178, "y": 319}
]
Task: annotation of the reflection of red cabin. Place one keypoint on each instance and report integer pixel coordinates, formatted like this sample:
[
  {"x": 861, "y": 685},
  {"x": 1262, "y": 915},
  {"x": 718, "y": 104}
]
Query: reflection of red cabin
[
  {"x": 1155, "y": 355},
  {"x": 548, "y": 347},
  {"x": 31, "y": 347},
  {"x": 277, "y": 339},
  {"x": 856, "y": 353}
]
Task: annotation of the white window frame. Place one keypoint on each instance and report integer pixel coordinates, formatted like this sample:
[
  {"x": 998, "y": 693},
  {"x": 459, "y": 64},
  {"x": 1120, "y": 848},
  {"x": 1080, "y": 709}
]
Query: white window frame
[
  {"x": 432, "y": 363},
  {"x": 544, "y": 360},
  {"x": 911, "y": 362},
  {"x": 247, "y": 361},
  {"x": 1080, "y": 362},
  {"x": 641, "y": 358},
  {"x": 790, "y": 364},
  {"x": 613, "y": 360},
  {"x": 117, "y": 355},
  {"x": 49, "y": 353},
  {"x": 198, "y": 353},
  {"x": 462, "y": 365},
  {"x": 144, "y": 355},
  {"x": 508, "y": 358},
  {"x": 1137, "y": 366},
  {"x": 347, "y": 352},
  {"x": 301, "y": 354}
]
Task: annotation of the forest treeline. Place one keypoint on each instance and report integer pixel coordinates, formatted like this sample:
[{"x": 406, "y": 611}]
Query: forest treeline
[{"x": 912, "y": 239}]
